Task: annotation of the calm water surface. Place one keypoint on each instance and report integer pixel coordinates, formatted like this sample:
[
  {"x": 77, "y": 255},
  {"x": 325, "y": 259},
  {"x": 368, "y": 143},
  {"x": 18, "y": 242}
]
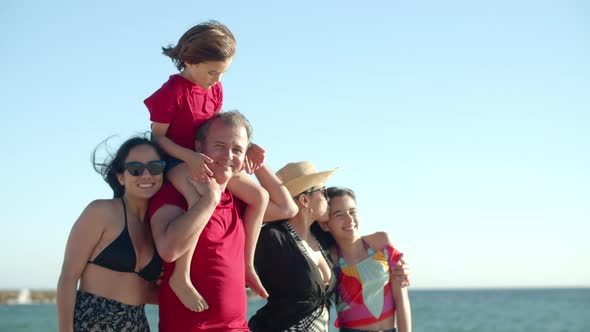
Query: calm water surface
[{"x": 520, "y": 310}]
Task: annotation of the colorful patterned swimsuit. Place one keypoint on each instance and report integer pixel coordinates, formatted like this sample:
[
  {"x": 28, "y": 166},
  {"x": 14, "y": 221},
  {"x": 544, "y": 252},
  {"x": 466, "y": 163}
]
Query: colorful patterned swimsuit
[{"x": 364, "y": 289}]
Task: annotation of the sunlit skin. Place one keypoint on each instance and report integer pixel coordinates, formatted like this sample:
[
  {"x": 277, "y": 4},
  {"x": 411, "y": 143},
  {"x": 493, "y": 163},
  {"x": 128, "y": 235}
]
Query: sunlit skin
[
  {"x": 138, "y": 189},
  {"x": 226, "y": 146},
  {"x": 219, "y": 158},
  {"x": 343, "y": 225},
  {"x": 343, "y": 222},
  {"x": 319, "y": 205},
  {"x": 101, "y": 223},
  {"x": 312, "y": 207},
  {"x": 206, "y": 74},
  {"x": 145, "y": 185}
]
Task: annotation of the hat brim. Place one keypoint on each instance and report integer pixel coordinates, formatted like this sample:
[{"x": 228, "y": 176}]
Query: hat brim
[{"x": 302, "y": 183}]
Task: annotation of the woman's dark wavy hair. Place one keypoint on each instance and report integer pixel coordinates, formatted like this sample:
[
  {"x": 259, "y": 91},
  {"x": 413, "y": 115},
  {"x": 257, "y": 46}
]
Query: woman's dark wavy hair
[
  {"x": 113, "y": 164},
  {"x": 207, "y": 41},
  {"x": 326, "y": 239}
]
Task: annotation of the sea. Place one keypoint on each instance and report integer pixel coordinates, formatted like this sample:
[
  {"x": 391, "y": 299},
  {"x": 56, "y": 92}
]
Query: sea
[{"x": 480, "y": 310}]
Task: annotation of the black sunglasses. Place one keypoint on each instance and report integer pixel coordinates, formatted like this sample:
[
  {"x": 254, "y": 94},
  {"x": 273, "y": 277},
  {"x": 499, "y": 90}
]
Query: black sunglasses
[
  {"x": 321, "y": 189},
  {"x": 135, "y": 168}
]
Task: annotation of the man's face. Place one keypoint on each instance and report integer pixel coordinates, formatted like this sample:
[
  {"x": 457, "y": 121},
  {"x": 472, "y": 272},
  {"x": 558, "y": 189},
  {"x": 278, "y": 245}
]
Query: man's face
[{"x": 227, "y": 146}]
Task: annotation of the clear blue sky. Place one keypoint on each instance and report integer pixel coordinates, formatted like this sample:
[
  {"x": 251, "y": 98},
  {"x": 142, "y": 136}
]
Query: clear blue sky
[{"x": 464, "y": 126}]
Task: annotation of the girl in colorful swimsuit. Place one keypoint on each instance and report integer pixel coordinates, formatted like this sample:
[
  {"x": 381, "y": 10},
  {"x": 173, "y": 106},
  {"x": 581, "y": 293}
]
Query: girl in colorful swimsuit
[
  {"x": 110, "y": 250},
  {"x": 370, "y": 296},
  {"x": 202, "y": 55}
]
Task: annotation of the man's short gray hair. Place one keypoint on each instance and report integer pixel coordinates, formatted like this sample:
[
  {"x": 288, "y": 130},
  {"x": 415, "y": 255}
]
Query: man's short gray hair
[{"x": 230, "y": 118}]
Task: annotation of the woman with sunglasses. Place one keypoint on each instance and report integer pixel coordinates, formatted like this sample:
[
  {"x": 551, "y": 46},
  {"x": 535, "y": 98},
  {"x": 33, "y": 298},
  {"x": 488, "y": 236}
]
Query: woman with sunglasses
[
  {"x": 110, "y": 250},
  {"x": 371, "y": 292},
  {"x": 289, "y": 260}
]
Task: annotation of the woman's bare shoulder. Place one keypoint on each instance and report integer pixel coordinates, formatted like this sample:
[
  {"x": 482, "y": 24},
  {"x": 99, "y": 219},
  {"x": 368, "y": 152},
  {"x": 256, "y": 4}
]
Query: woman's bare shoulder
[{"x": 101, "y": 211}]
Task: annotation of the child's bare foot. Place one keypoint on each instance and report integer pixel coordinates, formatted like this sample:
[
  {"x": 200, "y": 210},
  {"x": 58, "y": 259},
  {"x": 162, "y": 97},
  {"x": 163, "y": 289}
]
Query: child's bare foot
[
  {"x": 253, "y": 281},
  {"x": 187, "y": 294}
]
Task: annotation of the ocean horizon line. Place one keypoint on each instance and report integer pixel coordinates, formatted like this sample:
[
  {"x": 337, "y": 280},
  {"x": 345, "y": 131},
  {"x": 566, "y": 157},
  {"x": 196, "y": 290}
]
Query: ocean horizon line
[{"x": 428, "y": 288}]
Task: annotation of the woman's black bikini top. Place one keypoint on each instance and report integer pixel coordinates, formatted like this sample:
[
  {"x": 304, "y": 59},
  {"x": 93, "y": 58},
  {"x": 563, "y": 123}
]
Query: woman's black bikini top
[{"x": 120, "y": 256}]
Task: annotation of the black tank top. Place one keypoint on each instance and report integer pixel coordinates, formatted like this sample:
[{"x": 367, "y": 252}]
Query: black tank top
[{"x": 119, "y": 256}]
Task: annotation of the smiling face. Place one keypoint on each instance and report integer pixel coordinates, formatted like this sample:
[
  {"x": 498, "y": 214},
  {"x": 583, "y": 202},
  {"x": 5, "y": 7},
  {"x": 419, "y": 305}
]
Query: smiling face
[
  {"x": 343, "y": 219},
  {"x": 144, "y": 185},
  {"x": 226, "y": 145},
  {"x": 206, "y": 74}
]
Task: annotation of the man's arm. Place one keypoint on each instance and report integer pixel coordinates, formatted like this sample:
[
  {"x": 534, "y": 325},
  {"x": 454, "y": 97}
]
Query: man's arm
[{"x": 175, "y": 231}]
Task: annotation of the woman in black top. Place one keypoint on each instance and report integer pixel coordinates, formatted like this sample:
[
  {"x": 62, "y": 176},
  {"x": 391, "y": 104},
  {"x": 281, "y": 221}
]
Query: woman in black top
[
  {"x": 110, "y": 250},
  {"x": 290, "y": 262}
]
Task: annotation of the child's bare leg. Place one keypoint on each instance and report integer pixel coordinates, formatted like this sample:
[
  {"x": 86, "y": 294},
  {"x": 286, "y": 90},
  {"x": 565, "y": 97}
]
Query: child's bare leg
[
  {"x": 180, "y": 280},
  {"x": 256, "y": 199},
  {"x": 178, "y": 176},
  {"x": 252, "y": 231}
]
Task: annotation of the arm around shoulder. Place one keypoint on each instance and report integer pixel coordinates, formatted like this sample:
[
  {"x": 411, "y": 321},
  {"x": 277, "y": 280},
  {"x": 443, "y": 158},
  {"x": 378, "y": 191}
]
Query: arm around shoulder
[
  {"x": 379, "y": 240},
  {"x": 398, "y": 267}
]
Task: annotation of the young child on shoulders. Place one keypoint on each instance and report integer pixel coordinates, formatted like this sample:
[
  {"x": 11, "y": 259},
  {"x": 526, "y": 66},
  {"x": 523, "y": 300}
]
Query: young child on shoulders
[{"x": 183, "y": 103}]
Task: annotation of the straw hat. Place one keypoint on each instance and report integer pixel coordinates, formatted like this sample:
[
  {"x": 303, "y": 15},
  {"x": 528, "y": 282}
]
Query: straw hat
[{"x": 300, "y": 176}]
